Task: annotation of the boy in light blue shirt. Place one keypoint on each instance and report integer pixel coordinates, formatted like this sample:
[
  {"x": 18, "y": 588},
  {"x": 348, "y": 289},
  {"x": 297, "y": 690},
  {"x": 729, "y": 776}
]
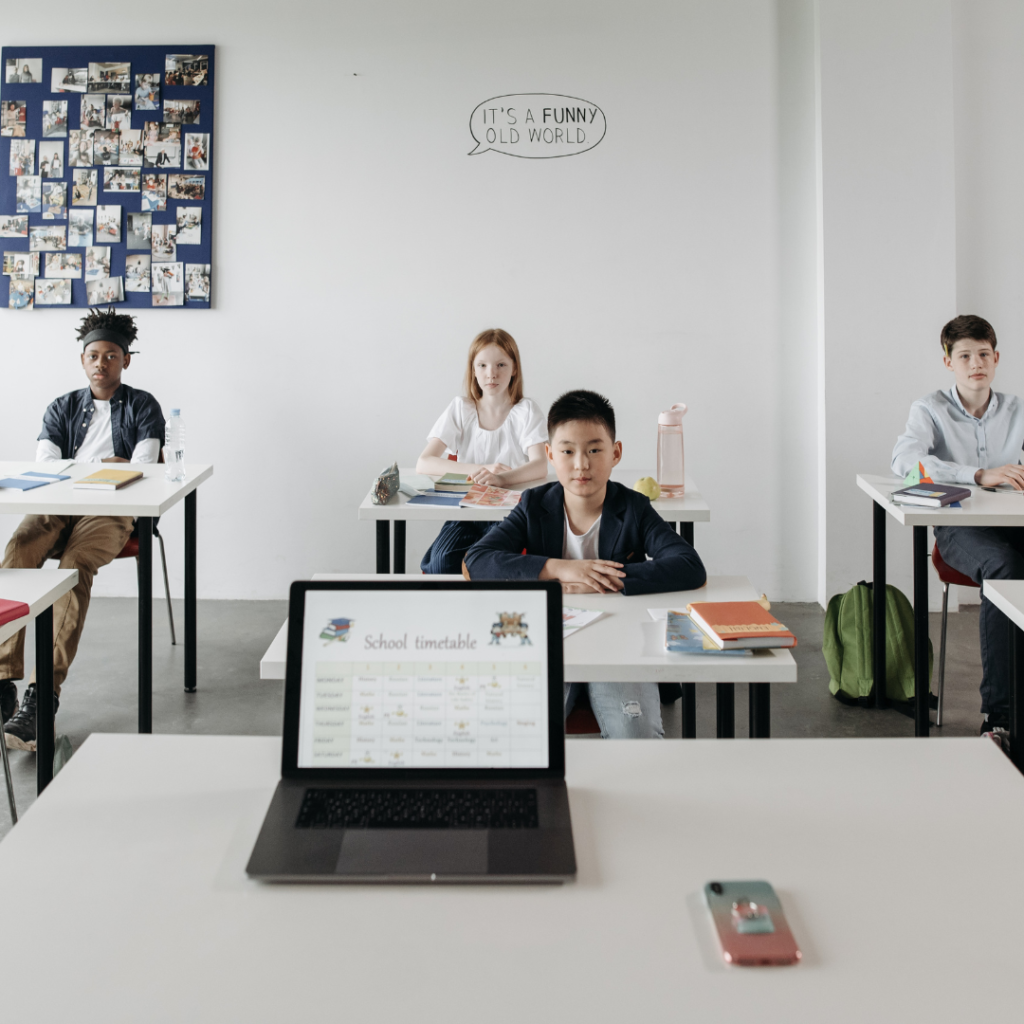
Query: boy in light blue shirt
[{"x": 971, "y": 434}]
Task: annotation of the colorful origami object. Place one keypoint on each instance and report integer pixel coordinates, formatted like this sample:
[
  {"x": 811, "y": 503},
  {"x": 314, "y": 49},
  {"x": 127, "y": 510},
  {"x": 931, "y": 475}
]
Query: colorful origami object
[{"x": 917, "y": 475}]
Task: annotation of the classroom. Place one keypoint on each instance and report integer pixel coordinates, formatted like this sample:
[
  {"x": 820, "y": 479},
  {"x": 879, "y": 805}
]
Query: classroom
[{"x": 766, "y": 210}]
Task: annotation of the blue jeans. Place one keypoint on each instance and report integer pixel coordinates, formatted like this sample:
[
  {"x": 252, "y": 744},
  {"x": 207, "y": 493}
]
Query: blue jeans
[
  {"x": 988, "y": 553},
  {"x": 625, "y": 711},
  {"x": 445, "y": 555}
]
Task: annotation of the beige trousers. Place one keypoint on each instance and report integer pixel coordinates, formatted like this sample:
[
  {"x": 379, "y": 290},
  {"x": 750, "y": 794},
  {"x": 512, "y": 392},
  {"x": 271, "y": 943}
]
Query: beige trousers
[{"x": 84, "y": 543}]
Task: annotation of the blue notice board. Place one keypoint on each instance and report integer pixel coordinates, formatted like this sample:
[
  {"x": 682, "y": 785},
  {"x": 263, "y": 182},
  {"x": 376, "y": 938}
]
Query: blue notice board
[{"x": 106, "y": 175}]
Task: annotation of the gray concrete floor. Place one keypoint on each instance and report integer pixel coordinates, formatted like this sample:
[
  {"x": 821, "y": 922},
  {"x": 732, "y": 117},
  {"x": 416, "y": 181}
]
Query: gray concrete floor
[{"x": 100, "y": 694}]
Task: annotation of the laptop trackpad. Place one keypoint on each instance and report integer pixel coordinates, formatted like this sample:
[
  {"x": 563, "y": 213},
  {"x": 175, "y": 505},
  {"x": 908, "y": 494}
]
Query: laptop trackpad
[{"x": 413, "y": 851}]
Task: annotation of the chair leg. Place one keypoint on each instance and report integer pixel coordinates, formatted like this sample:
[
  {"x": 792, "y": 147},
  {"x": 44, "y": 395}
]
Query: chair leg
[
  {"x": 942, "y": 653},
  {"x": 167, "y": 589},
  {"x": 8, "y": 780}
]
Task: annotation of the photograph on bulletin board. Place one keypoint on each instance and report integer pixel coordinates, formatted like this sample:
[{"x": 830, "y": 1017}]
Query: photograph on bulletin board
[{"x": 106, "y": 176}]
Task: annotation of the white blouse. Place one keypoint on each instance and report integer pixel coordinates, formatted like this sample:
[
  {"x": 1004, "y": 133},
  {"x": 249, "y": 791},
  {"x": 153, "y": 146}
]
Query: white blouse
[{"x": 460, "y": 430}]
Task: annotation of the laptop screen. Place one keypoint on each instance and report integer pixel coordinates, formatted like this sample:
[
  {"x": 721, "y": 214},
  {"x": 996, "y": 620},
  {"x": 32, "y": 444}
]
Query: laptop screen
[{"x": 424, "y": 678}]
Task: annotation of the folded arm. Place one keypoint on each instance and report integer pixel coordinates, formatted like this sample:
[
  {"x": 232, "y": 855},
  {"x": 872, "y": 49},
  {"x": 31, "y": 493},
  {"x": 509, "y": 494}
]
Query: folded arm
[
  {"x": 916, "y": 444},
  {"x": 673, "y": 564}
]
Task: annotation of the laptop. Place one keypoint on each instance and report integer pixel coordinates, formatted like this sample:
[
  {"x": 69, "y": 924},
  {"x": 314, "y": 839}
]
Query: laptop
[{"x": 423, "y": 736}]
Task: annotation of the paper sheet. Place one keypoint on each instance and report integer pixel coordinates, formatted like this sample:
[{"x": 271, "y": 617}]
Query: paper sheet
[{"x": 574, "y": 619}]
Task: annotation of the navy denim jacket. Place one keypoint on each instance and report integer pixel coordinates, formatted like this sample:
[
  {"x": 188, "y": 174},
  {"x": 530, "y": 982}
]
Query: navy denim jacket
[
  {"x": 518, "y": 546},
  {"x": 134, "y": 416}
]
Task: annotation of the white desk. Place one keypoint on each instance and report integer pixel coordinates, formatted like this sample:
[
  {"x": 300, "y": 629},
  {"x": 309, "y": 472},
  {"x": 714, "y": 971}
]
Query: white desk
[
  {"x": 626, "y": 647},
  {"x": 984, "y": 508},
  {"x": 1008, "y": 597},
  {"x": 146, "y": 500},
  {"x": 690, "y": 509},
  {"x": 158, "y": 921},
  {"x": 39, "y": 589}
]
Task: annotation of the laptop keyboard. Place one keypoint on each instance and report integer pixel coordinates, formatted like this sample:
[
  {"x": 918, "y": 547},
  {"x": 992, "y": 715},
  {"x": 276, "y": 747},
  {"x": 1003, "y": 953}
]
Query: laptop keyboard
[{"x": 418, "y": 808}]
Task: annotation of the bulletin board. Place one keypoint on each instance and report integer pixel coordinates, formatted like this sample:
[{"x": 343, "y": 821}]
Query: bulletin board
[{"x": 106, "y": 176}]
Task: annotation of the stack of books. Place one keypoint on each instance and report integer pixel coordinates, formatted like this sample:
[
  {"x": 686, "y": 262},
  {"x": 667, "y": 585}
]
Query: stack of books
[{"x": 725, "y": 627}]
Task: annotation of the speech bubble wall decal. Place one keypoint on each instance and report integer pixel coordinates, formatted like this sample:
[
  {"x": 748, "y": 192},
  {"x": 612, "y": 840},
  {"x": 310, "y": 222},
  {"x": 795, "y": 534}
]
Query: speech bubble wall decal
[{"x": 536, "y": 125}]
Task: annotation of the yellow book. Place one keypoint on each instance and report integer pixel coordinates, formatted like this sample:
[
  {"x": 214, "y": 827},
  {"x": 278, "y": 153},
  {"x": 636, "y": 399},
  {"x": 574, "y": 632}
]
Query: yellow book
[{"x": 108, "y": 480}]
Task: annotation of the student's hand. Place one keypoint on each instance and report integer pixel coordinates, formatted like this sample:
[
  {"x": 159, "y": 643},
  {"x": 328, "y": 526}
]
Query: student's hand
[
  {"x": 1012, "y": 475},
  {"x": 115, "y": 458},
  {"x": 491, "y": 475},
  {"x": 591, "y": 575}
]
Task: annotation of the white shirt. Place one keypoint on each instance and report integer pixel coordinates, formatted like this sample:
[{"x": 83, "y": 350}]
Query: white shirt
[
  {"x": 952, "y": 444},
  {"x": 459, "y": 428},
  {"x": 99, "y": 442},
  {"x": 581, "y": 545}
]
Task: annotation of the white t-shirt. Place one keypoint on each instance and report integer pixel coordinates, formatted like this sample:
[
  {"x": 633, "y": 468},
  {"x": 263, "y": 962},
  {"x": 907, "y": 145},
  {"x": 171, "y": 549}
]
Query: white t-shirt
[
  {"x": 460, "y": 430},
  {"x": 99, "y": 442},
  {"x": 582, "y": 545}
]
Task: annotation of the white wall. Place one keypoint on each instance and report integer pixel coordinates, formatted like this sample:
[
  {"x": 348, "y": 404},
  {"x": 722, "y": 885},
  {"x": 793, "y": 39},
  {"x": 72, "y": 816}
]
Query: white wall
[
  {"x": 889, "y": 251},
  {"x": 358, "y": 249}
]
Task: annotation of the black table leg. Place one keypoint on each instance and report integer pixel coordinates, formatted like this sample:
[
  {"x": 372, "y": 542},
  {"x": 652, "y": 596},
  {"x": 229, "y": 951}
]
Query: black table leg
[
  {"x": 760, "y": 695},
  {"x": 1016, "y": 694},
  {"x": 686, "y": 529},
  {"x": 44, "y": 698},
  {"x": 399, "y": 556},
  {"x": 145, "y": 527},
  {"x": 383, "y": 547},
  {"x": 688, "y": 708},
  {"x": 190, "y": 593},
  {"x": 878, "y": 606},
  {"x": 922, "y": 679},
  {"x": 725, "y": 708}
]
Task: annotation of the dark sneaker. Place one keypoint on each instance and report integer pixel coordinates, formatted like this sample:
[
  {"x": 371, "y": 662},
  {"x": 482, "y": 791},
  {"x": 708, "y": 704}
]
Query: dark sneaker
[
  {"x": 20, "y": 731},
  {"x": 8, "y": 699}
]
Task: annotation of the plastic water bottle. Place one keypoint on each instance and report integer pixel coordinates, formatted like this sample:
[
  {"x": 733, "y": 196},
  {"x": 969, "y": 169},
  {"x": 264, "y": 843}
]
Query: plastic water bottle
[
  {"x": 175, "y": 447},
  {"x": 671, "y": 476}
]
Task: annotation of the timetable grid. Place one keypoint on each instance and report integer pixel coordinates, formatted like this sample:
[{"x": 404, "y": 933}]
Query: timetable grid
[{"x": 444, "y": 714}]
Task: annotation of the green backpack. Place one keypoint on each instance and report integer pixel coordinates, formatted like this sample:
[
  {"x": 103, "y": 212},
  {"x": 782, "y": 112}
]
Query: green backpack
[{"x": 847, "y": 646}]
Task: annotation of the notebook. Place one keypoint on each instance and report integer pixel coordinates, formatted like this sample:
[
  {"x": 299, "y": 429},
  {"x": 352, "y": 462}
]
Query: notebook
[
  {"x": 423, "y": 737},
  {"x": 485, "y": 496},
  {"x": 108, "y": 480},
  {"x": 930, "y": 495},
  {"x": 31, "y": 480}
]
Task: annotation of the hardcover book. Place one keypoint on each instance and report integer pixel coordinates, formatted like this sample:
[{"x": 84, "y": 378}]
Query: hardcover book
[
  {"x": 453, "y": 482},
  {"x": 930, "y": 495},
  {"x": 740, "y": 624},
  {"x": 108, "y": 480}
]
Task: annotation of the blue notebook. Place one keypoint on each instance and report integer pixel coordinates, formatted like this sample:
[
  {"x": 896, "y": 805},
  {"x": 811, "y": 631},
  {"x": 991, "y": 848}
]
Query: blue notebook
[
  {"x": 437, "y": 498},
  {"x": 684, "y": 636},
  {"x": 27, "y": 481}
]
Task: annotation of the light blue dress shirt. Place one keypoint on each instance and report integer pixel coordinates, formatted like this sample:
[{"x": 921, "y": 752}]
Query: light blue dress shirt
[{"x": 952, "y": 444}]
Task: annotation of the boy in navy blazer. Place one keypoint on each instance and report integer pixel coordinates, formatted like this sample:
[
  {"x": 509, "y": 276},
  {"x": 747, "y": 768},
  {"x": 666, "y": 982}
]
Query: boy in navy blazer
[{"x": 595, "y": 536}]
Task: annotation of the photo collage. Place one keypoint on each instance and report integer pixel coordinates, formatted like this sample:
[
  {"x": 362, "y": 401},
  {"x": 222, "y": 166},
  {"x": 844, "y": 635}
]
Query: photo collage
[{"x": 107, "y": 192}]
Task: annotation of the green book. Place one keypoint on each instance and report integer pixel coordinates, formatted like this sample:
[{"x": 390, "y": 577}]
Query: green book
[{"x": 453, "y": 482}]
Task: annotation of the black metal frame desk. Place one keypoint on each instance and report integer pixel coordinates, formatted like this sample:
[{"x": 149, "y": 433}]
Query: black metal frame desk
[
  {"x": 146, "y": 499},
  {"x": 984, "y": 508}
]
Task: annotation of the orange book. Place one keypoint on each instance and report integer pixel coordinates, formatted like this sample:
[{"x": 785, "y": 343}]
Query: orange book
[{"x": 739, "y": 624}]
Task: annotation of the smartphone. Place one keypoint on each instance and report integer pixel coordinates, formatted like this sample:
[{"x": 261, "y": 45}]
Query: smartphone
[{"x": 751, "y": 926}]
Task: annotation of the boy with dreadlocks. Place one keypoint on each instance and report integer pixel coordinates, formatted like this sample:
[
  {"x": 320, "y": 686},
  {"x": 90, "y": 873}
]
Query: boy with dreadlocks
[{"x": 104, "y": 422}]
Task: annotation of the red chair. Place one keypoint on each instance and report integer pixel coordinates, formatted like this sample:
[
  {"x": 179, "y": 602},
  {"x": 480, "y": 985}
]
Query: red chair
[
  {"x": 581, "y": 720},
  {"x": 948, "y": 575},
  {"x": 131, "y": 550}
]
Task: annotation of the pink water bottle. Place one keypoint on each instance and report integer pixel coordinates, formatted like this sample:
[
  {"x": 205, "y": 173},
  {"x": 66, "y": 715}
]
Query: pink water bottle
[{"x": 671, "y": 479}]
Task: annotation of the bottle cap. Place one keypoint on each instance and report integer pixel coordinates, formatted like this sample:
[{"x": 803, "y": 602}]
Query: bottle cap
[
  {"x": 175, "y": 412},
  {"x": 672, "y": 417}
]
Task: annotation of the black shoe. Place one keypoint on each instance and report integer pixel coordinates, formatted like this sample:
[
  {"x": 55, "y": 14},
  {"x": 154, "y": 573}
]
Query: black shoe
[
  {"x": 993, "y": 722},
  {"x": 20, "y": 731},
  {"x": 8, "y": 699}
]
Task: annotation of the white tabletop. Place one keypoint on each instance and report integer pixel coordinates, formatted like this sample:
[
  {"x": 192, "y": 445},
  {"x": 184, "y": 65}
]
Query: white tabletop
[
  {"x": 1008, "y": 597},
  {"x": 691, "y": 508},
  {"x": 983, "y": 508},
  {"x": 905, "y": 899},
  {"x": 626, "y": 645},
  {"x": 151, "y": 496},
  {"x": 38, "y": 588}
]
